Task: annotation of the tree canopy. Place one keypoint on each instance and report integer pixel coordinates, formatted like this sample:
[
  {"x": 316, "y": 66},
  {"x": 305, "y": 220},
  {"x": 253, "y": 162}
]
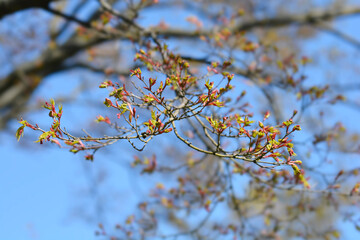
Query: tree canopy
[{"x": 242, "y": 111}]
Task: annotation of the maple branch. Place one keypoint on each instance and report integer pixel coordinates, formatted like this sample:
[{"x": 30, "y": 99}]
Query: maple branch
[{"x": 52, "y": 59}]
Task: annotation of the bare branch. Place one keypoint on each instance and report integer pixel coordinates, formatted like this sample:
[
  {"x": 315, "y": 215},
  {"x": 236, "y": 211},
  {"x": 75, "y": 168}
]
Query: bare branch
[
  {"x": 352, "y": 41},
  {"x": 10, "y": 6}
]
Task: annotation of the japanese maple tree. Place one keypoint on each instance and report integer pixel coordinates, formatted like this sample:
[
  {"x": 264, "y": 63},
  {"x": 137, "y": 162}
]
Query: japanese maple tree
[{"x": 233, "y": 94}]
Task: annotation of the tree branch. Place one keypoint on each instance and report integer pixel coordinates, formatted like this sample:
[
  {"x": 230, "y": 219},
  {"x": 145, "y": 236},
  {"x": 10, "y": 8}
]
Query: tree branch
[
  {"x": 10, "y": 6},
  {"x": 67, "y": 17},
  {"x": 301, "y": 19},
  {"x": 52, "y": 59},
  {"x": 339, "y": 35}
]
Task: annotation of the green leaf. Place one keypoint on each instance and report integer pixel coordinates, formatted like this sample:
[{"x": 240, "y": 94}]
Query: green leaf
[
  {"x": 108, "y": 102},
  {"x": 19, "y": 132},
  {"x": 298, "y": 174},
  {"x": 44, "y": 136}
]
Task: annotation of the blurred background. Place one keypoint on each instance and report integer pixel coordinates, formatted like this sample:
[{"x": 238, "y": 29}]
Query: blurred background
[{"x": 46, "y": 52}]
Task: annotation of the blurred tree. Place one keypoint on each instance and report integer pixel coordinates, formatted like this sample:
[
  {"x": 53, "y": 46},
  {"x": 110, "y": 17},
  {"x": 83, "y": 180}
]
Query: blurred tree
[{"x": 225, "y": 82}]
